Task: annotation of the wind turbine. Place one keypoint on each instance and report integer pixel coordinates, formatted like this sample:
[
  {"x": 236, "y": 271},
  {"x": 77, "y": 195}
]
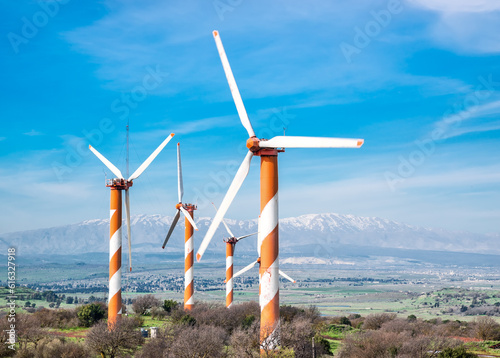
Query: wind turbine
[
  {"x": 268, "y": 221},
  {"x": 188, "y": 211},
  {"x": 117, "y": 185},
  {"x": 230, "y": 246}
]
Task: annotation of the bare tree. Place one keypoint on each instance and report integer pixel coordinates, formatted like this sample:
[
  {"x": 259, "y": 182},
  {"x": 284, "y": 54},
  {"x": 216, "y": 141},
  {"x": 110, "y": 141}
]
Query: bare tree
[
  {"x": 144, "y": 303},
  {"x": 375, "y": 321},
  {"x": 486, "y": 328},
  {"x": 198, "y": 342},
  {"x": 157, "y": 348},
  {"x": 245, "y": 343},
  {"x": 121, "y": 338},
  {"x": 28, "y": 330},
  {"x": 298, "y": 335}
]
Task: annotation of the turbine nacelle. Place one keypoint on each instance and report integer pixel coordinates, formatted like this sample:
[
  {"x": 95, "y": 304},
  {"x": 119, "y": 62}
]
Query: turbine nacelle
[{"x": 119, "y": 183}]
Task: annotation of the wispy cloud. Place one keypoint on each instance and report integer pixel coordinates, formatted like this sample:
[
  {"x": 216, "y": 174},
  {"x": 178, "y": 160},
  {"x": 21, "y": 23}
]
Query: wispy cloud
[
  {"x": 33, "y": 133},
  {"x": 480, "y": 118},
  {"x": 465, "y": 26},
  {"x": 452, "y": 6},
  {"x": 202, "y": 125}
]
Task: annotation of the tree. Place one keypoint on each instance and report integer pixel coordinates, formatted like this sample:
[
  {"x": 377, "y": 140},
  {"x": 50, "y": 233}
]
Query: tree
[
  {"x": 375, "y": 321},
  {"x": 91, "y": 314},
  {"x": 245, "y": 342},
  {"x": 487, "y": 328},
  {"x": 144, "y": 303},
  {"x": 169, "y": 305},
  {"x": 157, "y": 347},
  {"x": 28, "y": 330},
  {"x": 69, "y": 300},
  {"x": 121, "y": 338},
  {"x": 197, "y": 342},
  {"x": 346, "y": 321},
  {"x": 298, "y": 335}
]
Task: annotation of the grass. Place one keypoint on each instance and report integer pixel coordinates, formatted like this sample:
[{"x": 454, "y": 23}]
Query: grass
[
  {"x": 76, "y": 334},
  {"x": 483, "y": 348}
]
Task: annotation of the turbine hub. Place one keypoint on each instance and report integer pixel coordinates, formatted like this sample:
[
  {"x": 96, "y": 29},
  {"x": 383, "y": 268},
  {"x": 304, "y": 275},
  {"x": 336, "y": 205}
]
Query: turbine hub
[{"x": 253, "y": 144}]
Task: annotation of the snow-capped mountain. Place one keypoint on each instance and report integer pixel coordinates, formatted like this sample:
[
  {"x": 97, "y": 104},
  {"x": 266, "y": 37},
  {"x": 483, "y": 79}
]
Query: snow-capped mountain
[{"x": 319, "y": 232}]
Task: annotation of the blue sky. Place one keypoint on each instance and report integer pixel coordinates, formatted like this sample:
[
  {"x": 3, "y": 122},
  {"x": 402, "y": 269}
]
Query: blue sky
[{"x": 418, "y": 80}]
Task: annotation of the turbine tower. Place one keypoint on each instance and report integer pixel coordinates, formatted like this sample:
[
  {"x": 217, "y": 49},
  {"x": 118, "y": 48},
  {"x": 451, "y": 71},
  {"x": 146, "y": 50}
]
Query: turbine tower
[
  {"x": 268, "y": 243},
  {"x": 188, "y": 211},
  {"x": 117, "y": 185},
  {"x": 230, "y": 246}
]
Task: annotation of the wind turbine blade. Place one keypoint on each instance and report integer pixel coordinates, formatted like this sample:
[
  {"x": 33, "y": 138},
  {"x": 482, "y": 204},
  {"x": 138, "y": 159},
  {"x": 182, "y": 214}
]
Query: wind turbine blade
[
  {"x": 129, "y": 238},
  {"x": 240, "y": 176},
  {"x": 148, "y": 161},
  {"x": 232, "y": 85},
  {"x": 242, "y": 237},
  {"x": 189, "y": 217},
  {"x": 107, "y": 163},
  {"x": 172, "y": 227},
  {"x": 245, "y": 269},
  {"x": 179, "y": 174},
  {"x": 310, "y": 142},
  {"x": 286, "y": 276},
  {"x": 224, "y": 222}
]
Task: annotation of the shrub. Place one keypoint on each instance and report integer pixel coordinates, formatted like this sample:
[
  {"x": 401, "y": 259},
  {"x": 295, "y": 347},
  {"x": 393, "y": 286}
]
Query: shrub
[
  {"x": 458, "y": 352},
  {"x": 91, "y": 314},
  {"x": 170, "y": 305}
]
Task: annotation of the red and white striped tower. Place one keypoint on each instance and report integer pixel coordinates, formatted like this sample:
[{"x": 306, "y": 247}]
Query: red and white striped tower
[
  {"x": 115, "y": 249},
  {"x": 229, "y": 270},
  {"x": 231, "y": 242},
  {"x": 268, "y": 245},
  {"x": 188, "y": 260},
  {"x": 117, "y": 185},
  {"x": 188, "y": 211}
]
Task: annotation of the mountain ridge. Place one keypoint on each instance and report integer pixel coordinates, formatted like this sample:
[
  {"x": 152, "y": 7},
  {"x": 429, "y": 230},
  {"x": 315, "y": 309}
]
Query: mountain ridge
[{"x": 325, "y": 231}]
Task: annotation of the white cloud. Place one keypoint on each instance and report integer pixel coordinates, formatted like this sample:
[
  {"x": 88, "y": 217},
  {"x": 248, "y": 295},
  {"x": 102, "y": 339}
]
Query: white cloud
[
  {"x": 479, "y": 118},
  {"x": 452, "y": 6},
  {"x": 465, "y": 26}
]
